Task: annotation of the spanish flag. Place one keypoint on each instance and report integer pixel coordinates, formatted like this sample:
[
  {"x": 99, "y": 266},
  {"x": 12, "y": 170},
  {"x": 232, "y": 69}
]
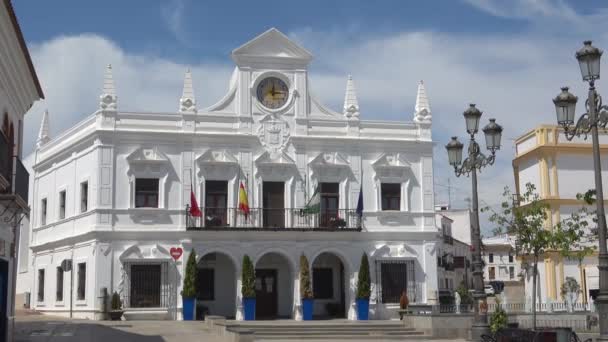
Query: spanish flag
[{"x": 243, "y": 202}]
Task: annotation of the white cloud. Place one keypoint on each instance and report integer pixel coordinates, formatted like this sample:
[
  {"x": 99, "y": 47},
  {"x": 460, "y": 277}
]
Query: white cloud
[
  {"x": 173, "y": 16},
  {"x": 512, "y": 78},
  {"x": 526, "y": 9}
]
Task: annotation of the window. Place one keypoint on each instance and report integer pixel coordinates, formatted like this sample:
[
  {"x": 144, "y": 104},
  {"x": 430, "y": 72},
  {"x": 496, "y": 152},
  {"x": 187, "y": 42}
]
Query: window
[
  {"x": 43, "y": 212},
  {"x": 511, "y": 272},
  {"x": 205, "y": 284},
  {"x": 393, "y": 276},
  {"x": 391, "y": 196},
  {"x": 322, "y": 283},
  {"x": 216, "y": 203},
  {"x": 82, "y": 280},
  {"x": 145, "y": 286},
  {"x": 146, "y": 193},
  {"x": 510, "y": 257},
  {"x": 41, "y": 285},
  {"x": 84, "y": 197},
  {"x": 492, "y": 273},
  {"x": 59, "y": 287},
  {"x": 62, "y": 204},
  {"x": 491, "y": 258}
]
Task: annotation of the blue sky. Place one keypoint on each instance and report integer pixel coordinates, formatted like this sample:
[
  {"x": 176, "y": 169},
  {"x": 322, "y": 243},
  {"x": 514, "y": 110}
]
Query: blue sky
[{"x": 509, "y": 57}]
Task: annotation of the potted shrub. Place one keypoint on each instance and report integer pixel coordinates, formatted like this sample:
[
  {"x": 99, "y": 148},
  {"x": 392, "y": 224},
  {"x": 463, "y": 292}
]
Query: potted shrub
[
  {"x": 305, "y": 289},
  {"x": 116, "y": 305},
  {"x": 248, "y": 289},
  {"x": 363, "y": 290},
  {"x": 189, "y": 289}
]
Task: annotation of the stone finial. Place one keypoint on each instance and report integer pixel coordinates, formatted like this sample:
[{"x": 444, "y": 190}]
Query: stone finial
[
  {"x": 351, "y": 105},
  {"x": 108, "y": 96},
  {"x": 187, "y": 103},
  {"x": 43, "y": 134},
  {"x": 422, "y": 108}
]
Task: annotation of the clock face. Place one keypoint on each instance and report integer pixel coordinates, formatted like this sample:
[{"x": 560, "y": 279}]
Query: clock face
[{"x": 272, "y": 92}]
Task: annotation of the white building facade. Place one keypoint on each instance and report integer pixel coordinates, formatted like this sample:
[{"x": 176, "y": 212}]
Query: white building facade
[
  {"x": 19, "y": 89},
  {"x": 453, "y": 259},
  {"x": 559, "y": 169},
  {"x": 111, "y": 194}
]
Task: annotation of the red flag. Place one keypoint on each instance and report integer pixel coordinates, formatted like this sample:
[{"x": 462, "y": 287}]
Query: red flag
[{"x": 194, "y": 209}]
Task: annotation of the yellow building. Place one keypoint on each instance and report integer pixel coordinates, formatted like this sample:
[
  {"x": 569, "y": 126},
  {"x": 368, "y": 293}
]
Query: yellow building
[{"x": 560, "y": 169}]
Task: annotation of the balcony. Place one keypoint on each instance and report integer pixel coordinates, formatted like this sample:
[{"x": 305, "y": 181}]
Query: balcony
[
  {"x": 269, "y": 219},
  {"x": 15, "y": 194}
]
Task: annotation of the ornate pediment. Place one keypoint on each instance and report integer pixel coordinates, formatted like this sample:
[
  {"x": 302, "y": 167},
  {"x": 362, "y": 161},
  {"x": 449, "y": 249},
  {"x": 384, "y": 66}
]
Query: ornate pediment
[
  {"x": 391, "y": 160},
  {"x": 217, "y": 157},
  {"x": 271, "y": 44},
  {"x": 147, "y": 155},
  {"x": 395, "y": 251},
  {"x": 329, "y": 159},
  {"x": 136, "y": 252},
  {"x": 277, "y": 159}
]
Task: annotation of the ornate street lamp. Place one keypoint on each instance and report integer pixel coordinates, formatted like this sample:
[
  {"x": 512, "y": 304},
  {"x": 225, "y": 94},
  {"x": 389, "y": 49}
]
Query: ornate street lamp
[
  {"x": 475, "y": 160},
  {"x": 596, "y": 116}
]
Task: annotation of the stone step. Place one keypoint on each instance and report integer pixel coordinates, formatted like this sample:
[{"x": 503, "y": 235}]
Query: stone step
[
  {"x": 321, "y": 328},
  {"x": 346, "y": 337}
]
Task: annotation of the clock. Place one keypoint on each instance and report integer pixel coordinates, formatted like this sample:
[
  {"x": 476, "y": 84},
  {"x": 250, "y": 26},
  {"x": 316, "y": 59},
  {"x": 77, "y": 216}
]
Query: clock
[{"x": 272, "y": 92}]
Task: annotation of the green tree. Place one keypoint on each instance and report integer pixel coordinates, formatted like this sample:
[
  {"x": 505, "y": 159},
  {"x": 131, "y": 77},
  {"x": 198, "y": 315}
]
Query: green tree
[
  {"x": 189, "y": 288},
  {"x": 526, "y": 219},
  {"x": 305, "y": 287},
  {"x": 248, "y": 278},
  {"x": 363, "y": 282},
  {"x": 465, "y": 294}
]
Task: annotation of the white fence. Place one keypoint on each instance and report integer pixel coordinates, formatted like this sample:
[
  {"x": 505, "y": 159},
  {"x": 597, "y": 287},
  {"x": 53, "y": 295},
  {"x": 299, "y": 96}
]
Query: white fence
[{"x": 519, "y": 307}]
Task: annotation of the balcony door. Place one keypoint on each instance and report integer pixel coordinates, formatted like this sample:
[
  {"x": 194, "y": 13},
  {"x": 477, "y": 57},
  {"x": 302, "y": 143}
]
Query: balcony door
[
  {"x": 330, "y": 202},
  {"x": 216, "y": 203},
  {"x": 273, "y": 199}
]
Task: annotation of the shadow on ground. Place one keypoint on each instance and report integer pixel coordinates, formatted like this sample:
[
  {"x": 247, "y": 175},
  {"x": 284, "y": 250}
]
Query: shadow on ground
[{"x": 78, "y": 331}]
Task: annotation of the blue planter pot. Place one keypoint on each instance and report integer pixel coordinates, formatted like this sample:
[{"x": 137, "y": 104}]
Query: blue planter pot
[
  {"x": 363, "y": 309},
  {"x": 188, "y": 307},
  {"x": 307, "y": 305},
  {"x": 249, "y": 309}
]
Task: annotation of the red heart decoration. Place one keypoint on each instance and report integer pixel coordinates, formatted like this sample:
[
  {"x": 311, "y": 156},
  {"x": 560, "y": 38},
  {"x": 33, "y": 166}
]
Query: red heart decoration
[{"x": 176, "y": 252}]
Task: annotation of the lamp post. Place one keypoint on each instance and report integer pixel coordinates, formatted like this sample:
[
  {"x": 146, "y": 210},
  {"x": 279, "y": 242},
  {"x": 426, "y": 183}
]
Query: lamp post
[
  {"x": 475, "y": 160},
  {"x": 596, "y": 116}
]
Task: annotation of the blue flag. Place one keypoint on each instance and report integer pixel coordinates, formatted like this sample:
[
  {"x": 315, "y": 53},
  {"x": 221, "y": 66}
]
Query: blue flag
[{"x": 360, "y": 203}]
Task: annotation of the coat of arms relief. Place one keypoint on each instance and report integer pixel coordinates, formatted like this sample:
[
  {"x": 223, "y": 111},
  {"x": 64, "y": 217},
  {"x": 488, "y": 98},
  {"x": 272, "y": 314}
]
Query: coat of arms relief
[{"x": 274, "y": 135}]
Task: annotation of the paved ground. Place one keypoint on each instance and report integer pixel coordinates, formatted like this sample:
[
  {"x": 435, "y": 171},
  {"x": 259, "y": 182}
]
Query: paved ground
[{"x": 38, "y": 328}]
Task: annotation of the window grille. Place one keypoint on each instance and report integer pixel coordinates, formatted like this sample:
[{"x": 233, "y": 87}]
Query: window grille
[
  {"x": 147, "y": 285},
  {"x": 393, "y": 276},
  {"x": 59, "y": 289}
]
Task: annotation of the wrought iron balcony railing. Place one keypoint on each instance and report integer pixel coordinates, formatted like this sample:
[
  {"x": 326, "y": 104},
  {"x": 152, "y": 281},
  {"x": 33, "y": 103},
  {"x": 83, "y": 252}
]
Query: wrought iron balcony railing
[
  {"x": 274, "y": 219},
  {"x": 17, "y": 187}
]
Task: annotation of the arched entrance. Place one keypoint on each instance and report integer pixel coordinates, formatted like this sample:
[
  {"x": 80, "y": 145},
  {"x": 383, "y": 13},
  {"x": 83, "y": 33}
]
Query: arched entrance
[
  {"x": 273, "y": 287},
  {"x": 216, "y": 285},
  {"x": 329, "y": 278}
]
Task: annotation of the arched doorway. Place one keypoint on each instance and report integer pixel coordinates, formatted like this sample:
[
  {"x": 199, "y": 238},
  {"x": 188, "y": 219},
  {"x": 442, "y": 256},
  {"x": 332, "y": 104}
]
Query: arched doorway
[
  {"x": 273, "y": 287},
  {"x": 329, "y": 278},
  {"x": 216, "y": 285}
]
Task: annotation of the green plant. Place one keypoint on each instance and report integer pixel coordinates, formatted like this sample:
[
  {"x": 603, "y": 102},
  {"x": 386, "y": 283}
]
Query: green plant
[
  {"x": 465, "y": 295},
  {"x": 189, "y": 288},
  {"x": 525, "y": 218},
  {"x": 498, "y": 320},
  {"x": 305, "y": 287},
  {"x": 363, "y": 283},
  {"x": 248, "y": 278},
  {"x": 116, "y": 302}
]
